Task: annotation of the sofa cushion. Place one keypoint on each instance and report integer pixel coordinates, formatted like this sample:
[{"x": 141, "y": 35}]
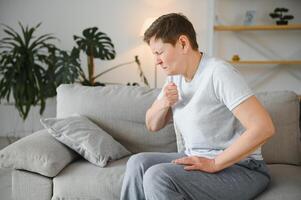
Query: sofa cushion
[
  {"x": 285, "y": 183},
  {"x": 39, "y": 153},
  {"x": 5, "y": 183},
  {"x": 285, "y": 145},
  {"x": 30, "y": 186},
  {"x": 82, "y": 180},
  {"x": 86, "y": 138},
  {"x": 120, "y": 111}
]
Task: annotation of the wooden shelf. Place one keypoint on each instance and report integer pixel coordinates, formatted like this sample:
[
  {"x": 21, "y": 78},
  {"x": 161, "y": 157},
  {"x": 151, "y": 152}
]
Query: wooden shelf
[
  {"x": 257, "y": 27},
  {"x": 263, "y": 62}
]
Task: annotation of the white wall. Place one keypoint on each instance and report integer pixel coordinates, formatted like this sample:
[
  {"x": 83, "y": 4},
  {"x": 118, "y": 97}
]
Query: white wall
[
  {"x": 261, "y": 45},
  {"x": 11, "y": 123},
  {"x": 122, "y": 21}
]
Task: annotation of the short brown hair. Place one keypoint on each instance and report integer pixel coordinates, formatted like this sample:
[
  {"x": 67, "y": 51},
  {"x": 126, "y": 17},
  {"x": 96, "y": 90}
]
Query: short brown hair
[{"x": 169, "y": 27}]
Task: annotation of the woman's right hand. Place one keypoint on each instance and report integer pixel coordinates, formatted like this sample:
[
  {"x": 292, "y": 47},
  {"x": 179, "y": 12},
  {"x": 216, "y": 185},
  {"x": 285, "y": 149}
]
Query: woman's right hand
[
  {"x": 171, "y": 95},
  {"x": 159, "y": 114}
]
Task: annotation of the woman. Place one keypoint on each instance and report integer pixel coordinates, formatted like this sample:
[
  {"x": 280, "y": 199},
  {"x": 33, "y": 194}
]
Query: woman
[{"x": 222, "y": 123}]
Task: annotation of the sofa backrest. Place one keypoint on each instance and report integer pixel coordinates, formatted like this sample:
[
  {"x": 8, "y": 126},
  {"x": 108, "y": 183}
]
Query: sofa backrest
[
  {"x": 120, "y": 111},
  {"x": 285, "y": 146}
]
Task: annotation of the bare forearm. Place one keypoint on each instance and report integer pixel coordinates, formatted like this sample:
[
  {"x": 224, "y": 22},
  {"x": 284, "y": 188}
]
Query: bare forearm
[
  {"x": 247, "y": 143},
  {"x": 259, "y": 128},
  {"x": 157, "y": 116},
  {"x": 160, "y": 112}
]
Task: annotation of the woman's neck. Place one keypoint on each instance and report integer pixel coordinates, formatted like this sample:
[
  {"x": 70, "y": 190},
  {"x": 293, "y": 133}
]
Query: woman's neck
[{"x": 192, "y": 65}]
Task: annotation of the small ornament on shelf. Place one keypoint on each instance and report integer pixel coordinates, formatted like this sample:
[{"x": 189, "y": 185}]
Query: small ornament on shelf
[
  {"x": 249, "y": 17},
  {"x": 235, "y": 58},
  {"x": 279, "y": 13}
]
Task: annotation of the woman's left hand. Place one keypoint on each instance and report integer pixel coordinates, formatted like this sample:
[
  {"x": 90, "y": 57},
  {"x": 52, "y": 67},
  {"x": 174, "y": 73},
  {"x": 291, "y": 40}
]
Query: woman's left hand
[{"x": 197, "y": 163}]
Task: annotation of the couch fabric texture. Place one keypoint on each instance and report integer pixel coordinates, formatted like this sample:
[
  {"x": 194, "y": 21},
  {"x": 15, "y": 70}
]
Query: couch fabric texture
[
  {"x": 30, "y": 186},
  {"x": 39, "y": 153},
  {"x": 86, "y": 138},
  {"x": 285, "y": 146},
  {"x": 120, "y": 111}
]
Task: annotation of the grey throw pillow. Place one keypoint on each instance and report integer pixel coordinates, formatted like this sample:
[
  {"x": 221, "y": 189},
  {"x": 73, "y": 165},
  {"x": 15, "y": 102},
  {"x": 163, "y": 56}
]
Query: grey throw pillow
[
  {"x": 39, "y": 153},
  {"x": 86, "y": 138}
]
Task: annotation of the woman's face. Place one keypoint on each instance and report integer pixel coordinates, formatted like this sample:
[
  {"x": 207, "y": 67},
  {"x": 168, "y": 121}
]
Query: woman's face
[{"x": 167, "y": 56}]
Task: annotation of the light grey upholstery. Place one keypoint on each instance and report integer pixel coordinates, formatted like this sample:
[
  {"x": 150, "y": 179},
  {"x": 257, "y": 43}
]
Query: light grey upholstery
[
  {"x": 82, "y": 180},
  {"x": 285, "y": 146},
  {"x": 30, "y": 186},
  {"x": 120, "y": 111},
  {"x": 5, "y": 184},
  {"x": 39, "y": 153},
  {"x": 285, "y": 184},
  {"x": 86, "y": 138}
]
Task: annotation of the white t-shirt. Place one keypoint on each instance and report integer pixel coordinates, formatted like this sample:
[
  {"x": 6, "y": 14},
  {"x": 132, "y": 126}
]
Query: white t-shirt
[{"x": 203, "y": 113}]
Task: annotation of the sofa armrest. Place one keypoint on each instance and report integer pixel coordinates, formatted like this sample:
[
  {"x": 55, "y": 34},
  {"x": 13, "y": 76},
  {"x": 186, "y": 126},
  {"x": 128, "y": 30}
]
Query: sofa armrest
[{"x": 39, "y": 153}]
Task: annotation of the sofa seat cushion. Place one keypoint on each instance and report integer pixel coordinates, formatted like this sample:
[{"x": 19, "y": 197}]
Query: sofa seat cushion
[
  {"x": 30, "y": 186},
  {"x": 285, "y": 184},
  {"x": 83, "y": 180}
]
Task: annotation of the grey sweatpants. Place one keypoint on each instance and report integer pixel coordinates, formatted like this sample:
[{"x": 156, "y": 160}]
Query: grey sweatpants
[{"x": 152, "y": 176}]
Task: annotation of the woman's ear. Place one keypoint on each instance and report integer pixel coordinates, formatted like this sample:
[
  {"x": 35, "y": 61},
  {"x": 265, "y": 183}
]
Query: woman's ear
[{"x": 184, "y": 43}]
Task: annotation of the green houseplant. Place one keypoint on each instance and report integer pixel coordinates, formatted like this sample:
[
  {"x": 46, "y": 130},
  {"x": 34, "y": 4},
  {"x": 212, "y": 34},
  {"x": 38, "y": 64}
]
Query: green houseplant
[
  {"x": 32, "y": 67},
  {"x": 96, "y": 44}
]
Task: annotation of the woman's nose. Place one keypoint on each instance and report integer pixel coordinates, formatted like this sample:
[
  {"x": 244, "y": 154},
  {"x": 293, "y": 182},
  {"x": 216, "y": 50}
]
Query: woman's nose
[{"x": 158, "y": 61}]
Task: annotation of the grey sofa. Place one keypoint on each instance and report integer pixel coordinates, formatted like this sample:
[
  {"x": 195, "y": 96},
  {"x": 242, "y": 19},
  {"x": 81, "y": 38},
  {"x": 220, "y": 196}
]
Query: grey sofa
[{"x": 120, "y": 111}]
